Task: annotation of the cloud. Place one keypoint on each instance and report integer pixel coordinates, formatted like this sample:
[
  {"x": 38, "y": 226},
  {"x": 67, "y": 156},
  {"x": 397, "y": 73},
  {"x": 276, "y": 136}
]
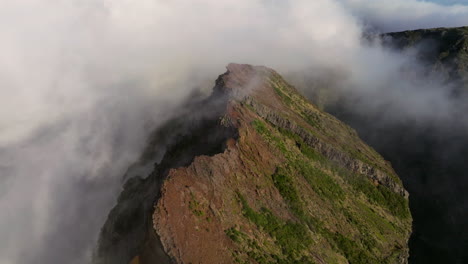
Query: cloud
[
  {"x": 84, "y": 82},
  {"x": 400, "y": 15}
]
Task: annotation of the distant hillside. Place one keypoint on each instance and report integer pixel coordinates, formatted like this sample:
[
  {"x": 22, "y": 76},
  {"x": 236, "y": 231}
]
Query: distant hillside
[
  {"x": 257, "y": 174},
  {"x": 444, "y": 50}
]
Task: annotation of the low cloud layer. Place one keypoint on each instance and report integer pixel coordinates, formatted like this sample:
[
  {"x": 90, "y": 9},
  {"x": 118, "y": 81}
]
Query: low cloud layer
[
  {"x": 84, "y": 82},
  {"x": 400, "y": 15}
]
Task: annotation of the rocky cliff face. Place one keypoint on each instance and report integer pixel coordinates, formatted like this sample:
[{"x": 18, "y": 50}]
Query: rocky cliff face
[{"x": 257, "y": 174}]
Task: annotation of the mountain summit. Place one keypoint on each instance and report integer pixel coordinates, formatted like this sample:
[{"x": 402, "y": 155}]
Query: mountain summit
[{"x": 257, "y": 174}]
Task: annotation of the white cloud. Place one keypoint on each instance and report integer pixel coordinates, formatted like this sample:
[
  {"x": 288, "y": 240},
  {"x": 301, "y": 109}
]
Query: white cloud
[
  {"x": 81, "y": 80},
  {"x": 400, "y": 15}
]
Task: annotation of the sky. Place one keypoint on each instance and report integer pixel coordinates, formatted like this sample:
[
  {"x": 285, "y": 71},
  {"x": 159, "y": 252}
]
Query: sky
[
  {"x": 400, "y": 15},
  {"x": 450, "y": 2},
  {"x": 84, "y": 82}
]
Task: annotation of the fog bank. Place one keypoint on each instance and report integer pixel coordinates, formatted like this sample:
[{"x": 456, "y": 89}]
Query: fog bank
[{"x": 84, "y": 82}]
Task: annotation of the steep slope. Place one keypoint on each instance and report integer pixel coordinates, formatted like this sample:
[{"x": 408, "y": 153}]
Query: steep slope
[
  {"x": 429, "y": 157},
  {"x": 285, "y": 183}
]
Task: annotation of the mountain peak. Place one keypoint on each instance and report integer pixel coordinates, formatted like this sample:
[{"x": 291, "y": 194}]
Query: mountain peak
[
  {"x": 243, "y": 79},
  {"x": 262, "y": 176}
]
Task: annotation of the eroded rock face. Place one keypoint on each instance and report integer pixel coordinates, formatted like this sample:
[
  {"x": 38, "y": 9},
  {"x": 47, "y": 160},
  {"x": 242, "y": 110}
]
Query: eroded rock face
[
  {"x": 126, "y": 231},
  {"x": 285, "y": 183}
]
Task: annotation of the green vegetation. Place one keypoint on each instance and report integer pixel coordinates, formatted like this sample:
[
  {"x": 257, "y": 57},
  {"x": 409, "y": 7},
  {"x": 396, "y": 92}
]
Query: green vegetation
[
  {"x": 195, "y": 206},
  {"x": 235, "y": 235},
  {"x": 308, "y": 152},
  {"x": 260, "y": 127},
  {"x": 305, "y": 163},
  {"x": 322, "y": 183},
  {"x": 353, "y": 253},
  {"x": 286, "y": 99},
  {"x": 286, "y": 188},
  {"x": 312, "y": 119},
  {"x": 284, "y": 96},
  {"x": 327, "y": 129},
  {"x": 346, "y": 212},
  {"x": 394, "y": 202},
  {"x": 380, "y": 195},
  {"x": 251, "y": 250},
  {"x": 291, "y": 237}
]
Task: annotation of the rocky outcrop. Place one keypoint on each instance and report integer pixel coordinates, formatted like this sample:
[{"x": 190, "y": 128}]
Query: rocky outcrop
[
  {"x": 279, "y": 181},
  {"x": 126, "y": 231},
  {"x": 331, "y": 153}
]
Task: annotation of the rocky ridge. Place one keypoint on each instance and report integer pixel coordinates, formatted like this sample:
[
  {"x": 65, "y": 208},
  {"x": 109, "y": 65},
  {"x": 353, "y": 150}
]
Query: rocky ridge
[{"x": 260, "y": 176}]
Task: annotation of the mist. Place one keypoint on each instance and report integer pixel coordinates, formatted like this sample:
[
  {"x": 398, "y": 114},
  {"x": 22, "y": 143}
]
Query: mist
[
  {"x": 401, "y": 15},
  {"x": 84, "y": 83}
]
